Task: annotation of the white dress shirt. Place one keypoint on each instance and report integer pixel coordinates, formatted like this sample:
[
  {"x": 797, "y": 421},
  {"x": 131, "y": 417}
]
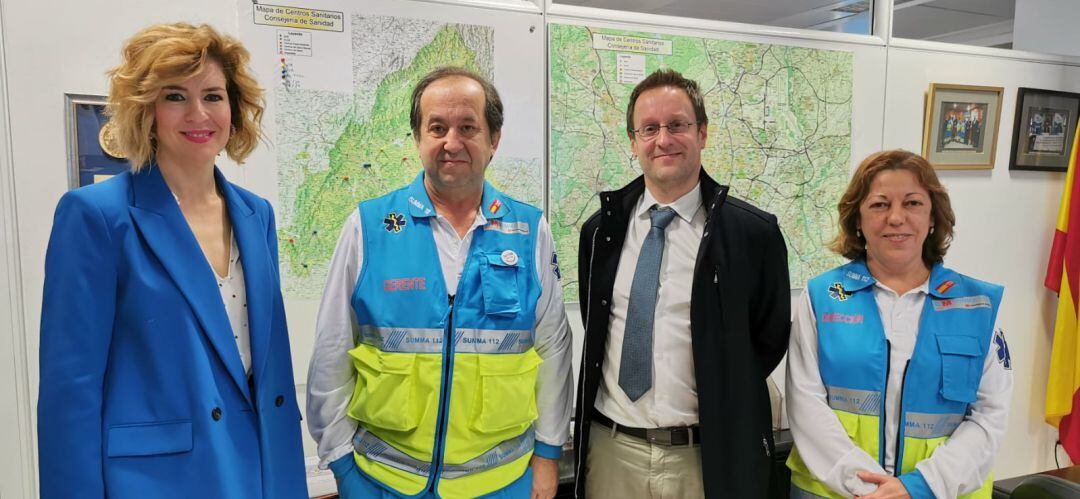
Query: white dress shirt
[
  {"x": 672, "y": 401},
  {"x": 959, "y": 466},
  {"x": 332, "y": 377},
  {"x": 234, "y": 296}
]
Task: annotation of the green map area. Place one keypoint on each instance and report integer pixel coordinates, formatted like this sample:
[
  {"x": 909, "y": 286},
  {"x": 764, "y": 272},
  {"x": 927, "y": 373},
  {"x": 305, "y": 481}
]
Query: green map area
[
  {"x": 779, "y": 130},
  {"x": 338, "y": 149}
]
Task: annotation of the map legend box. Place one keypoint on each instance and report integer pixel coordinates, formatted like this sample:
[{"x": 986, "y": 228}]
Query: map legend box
[
  {"x": 630, "y": 68},
  {"x": 293, "y": 43}
]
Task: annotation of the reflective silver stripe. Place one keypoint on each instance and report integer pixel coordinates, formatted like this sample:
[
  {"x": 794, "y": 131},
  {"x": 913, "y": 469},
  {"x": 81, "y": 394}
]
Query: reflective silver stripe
[
  {"x": 402, "y": 340},
  {"x": 430, "y": 340},
  {"x": 504, "y": 453},
  {"x": 797, "y": 493},
  {"x": 375, "y": 449},
  {"x": 492, "y": 340},
  {"x": 866, "y": 402},
  {"x": 924, "y": 425}
]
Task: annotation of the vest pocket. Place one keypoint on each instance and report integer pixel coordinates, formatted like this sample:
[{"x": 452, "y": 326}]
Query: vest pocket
[
  {"x": 150, "y": 439},
  {"x": 507, "y": 396},
  {"x": 384, "y": 396},
  {"x": 499, "y": 284},
  {"x": 961, "y": 367}
]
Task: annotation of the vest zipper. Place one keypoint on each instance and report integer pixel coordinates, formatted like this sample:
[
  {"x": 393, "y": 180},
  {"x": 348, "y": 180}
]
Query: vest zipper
[
  {"x": 884, "y": 396},
  {"x": 444, "y": 400},
  {"x": 897, "y": 459}
]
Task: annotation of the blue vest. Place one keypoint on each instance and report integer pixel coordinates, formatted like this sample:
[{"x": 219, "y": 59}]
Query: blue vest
[
  {"x": 468, "y": 420},
  {"x": 940, "y": 380},
  {"x": 401, "y": 284}
]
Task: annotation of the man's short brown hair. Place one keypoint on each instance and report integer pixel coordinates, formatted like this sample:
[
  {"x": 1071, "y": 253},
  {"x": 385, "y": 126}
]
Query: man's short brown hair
[{"x": 667, "y": 78}]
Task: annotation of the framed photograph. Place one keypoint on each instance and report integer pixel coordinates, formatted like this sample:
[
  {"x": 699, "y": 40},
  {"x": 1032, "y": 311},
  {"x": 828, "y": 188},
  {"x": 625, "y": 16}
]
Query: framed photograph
[
  {"x": 92, "y": 154},
  {"x": 960, "y": 132},
  {"x": 1044, "y": 129}
]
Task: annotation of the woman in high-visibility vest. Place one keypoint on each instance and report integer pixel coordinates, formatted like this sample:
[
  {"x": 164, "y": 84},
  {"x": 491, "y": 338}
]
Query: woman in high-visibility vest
[{"x": 898, "y": 381}]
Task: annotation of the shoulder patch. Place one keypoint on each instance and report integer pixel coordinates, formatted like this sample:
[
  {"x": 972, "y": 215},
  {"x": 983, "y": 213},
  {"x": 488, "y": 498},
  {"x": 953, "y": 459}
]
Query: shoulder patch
[
  {"x": 1003, "y": 356},
  {"x": 555, "y": 266}
]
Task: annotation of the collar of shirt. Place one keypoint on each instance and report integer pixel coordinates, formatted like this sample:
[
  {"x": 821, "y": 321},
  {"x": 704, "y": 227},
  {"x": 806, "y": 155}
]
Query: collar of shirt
[
  {"x": 923, "y": 288},
  {"x": 685, "y": 207},
  {"x": 479, "y": 221}
]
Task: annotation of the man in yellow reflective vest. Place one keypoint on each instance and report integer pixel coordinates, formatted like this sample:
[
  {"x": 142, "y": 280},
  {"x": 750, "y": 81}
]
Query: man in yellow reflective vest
[{"x": 442, "y": 358}]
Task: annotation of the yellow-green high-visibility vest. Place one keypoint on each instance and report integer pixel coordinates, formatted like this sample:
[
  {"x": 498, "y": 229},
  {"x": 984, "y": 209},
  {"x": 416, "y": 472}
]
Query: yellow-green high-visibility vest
[{"x": 445, "y": 393}]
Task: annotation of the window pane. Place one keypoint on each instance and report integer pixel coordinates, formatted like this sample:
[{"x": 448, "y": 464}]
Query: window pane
[
  {"x": 1046, "y": 26},
  {"x": 846, "y": 16},
  {"x": 986, "y": 23}
]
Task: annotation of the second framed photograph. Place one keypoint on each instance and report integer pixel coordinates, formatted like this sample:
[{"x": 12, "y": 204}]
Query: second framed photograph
[
  {"x": 1043, "y": 131},
  {"x": 960, "y": 131}
]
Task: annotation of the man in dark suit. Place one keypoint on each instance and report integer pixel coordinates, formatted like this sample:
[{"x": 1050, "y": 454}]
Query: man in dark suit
[{"x": 686, "y": 305}]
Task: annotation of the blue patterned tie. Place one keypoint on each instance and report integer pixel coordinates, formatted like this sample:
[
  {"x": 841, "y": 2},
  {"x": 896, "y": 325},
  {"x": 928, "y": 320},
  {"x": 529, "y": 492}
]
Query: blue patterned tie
[{"x": 635, "y": 369}]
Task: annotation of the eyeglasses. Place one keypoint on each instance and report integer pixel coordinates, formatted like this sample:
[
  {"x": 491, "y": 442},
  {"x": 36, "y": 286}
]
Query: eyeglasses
[{"x": 651, "y": 130}]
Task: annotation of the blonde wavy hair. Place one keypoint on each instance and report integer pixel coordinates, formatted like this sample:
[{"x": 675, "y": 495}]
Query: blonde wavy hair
[{"x": 166, "y": 54}]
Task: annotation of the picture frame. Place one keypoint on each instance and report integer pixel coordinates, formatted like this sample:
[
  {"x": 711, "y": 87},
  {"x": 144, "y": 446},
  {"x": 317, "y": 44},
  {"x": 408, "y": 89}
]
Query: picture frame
[
  {"x": 960, "y": 130},
  {"x": 1043, "y": 129},
  {"x": 92, "y": 155}
]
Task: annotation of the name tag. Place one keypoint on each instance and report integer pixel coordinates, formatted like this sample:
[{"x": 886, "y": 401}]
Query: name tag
[
  {"x": 963, "y": 302},
  {"x": 508, "y": 227}
]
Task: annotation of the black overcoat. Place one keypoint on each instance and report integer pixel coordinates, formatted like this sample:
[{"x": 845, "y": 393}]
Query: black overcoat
[{"x": 740, "y": 315}]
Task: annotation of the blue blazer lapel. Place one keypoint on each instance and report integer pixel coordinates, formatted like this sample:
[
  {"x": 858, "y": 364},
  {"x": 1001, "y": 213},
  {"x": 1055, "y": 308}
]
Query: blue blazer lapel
[
  {"x": 251, "y": 233},
  {"x": 163, "y": 227}
]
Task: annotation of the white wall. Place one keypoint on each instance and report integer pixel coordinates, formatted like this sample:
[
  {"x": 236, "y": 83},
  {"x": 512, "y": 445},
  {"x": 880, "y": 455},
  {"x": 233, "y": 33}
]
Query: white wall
[
  {"x": 16, "y": 427},
  {"x": 1005, "y": 218}
]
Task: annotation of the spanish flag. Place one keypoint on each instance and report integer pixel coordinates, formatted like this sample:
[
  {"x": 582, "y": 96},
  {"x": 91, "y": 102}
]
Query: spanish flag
[{"x": 1063, "y": 276}]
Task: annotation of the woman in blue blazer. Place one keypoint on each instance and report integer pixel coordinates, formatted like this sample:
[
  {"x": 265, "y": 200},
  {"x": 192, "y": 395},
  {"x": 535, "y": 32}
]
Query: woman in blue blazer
[{"x": 165, "y": 365}]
